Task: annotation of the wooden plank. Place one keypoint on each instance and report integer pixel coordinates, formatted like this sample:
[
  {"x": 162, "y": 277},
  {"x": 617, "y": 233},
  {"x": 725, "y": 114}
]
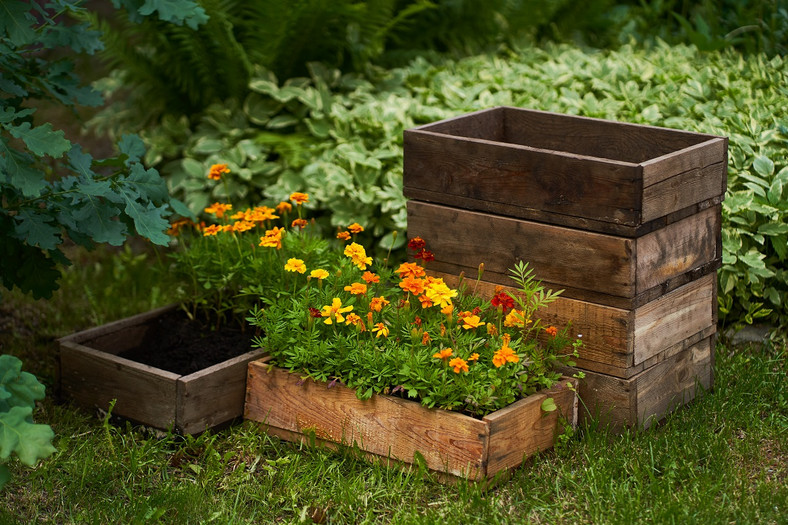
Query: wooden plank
[
  {"x": 710, "y": 151},
  {"x": 214, "y": 395},
  {"x": 677, "y": 249},
  {"x": 386, "y": 426},
  {"x": 93, "y": 378},
  {"x": 517, "y": 175},
  {"x": 674, "y": 317},
  {"x": 699, "y": 184},
  {"x": 561, "y": 257},
  {"x": 522, "y": 429},
  {"x": 488, "y": 124}
]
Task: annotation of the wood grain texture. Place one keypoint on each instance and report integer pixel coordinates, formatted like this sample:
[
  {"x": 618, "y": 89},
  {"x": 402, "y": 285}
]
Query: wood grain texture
[
  {"x": 685, "y": 189},
  {"x": 709, "y": 150},
  {"x": 391, "y": 427}
]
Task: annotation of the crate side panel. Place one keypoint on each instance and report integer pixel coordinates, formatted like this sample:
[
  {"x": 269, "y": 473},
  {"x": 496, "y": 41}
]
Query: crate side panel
[
  {"x": 683, "y": 190},
  {"x": 385, "y": 426},
  {"x": 710, "y": 151}
]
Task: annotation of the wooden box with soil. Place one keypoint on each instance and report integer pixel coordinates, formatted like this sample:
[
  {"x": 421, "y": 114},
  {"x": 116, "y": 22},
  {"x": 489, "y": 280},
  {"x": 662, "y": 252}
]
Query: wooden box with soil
[
  {"x": 626, "y": 219},
  {"x": 162, "y": 370},
  {"x": 399, "y": 430}
]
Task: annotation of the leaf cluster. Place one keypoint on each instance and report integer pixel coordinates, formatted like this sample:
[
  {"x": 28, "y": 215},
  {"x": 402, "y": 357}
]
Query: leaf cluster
[{"x": 19, "y": 435}]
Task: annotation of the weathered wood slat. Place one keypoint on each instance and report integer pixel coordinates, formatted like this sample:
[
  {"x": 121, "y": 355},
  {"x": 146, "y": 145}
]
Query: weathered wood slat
[
  {"x": 684, "y": 189},
  {"x": 711, "y": 151}
]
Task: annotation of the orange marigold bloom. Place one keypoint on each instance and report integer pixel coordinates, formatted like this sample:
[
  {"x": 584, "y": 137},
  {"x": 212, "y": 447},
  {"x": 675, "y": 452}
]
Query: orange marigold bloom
[
  {"x": 217, "y": 170},
  {"x": 358, "y": 255},
  {"x": 448, "y": 309},
  {"x": 242, "y": 226},
  {"x": 459, "y": 365},
  {"x": 472, "y": 321},
  {"x": 218, "y": 209},
  {"x": 334, "y": 311},
  {"x": 345, "y": 236},
  {"x": 272, "y": 238},
  {"x": 443, "y": 354},
  {"x": 176, "y": 227},
  {"x": 354, "y": 320},
  {"x": 355, "y": 228},
  {"x": 443, "y": 330},
  {"x": 474, "y": 357},
  {"x": 425, "y": 301},
  {"x": 213, "y": 229},
  {"x": 227, "y": 228},
  {"x": 505, "y": 354},
  {"x": 318, "y": 274},
  {"x": 295, "y": 265},
  {"x": 284, "y": 207},
  {"x": 407, "y": 269},
  {"x": 299, "y": 198},
  {"x": 356, "y": 289},
  {"x": 380, "y": 330},
  {"x": 492, "y": 329},
  {"x": 377, "y": 303},
  {"x": 261, "y": 213},
  {"x": 412, "y": 285},
  {"x": 370, "y": 277},
  {"x": 551, "y": 330},
  {"x": 299, "y": 223},
  {"x": 425, "y": 338}
]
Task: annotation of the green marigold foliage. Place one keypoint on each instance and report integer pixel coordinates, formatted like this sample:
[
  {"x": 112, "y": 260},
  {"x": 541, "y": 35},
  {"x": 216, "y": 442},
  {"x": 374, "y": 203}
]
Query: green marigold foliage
[
  {"x": 49, "y": 188},
  {"x": 19, "y": 392}
]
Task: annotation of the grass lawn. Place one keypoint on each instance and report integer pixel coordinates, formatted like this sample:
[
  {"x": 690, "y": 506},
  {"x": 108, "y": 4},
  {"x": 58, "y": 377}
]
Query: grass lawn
[{"x": 722, "y": 459}]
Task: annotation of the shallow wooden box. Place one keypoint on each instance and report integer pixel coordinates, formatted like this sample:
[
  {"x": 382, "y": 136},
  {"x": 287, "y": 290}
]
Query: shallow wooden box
[
  {"x": 586, "y": 173},
  {"x": 395, "y": 429},
  {"x": 93, "y": 375}
]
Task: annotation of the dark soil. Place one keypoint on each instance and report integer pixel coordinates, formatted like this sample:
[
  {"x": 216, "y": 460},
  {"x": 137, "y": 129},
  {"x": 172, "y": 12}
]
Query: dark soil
[{"x": 182, "y": 346}]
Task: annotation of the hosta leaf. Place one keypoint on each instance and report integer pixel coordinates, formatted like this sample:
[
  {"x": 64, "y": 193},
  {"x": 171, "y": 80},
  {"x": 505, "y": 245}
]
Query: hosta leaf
[
  {"x": 773, "y": 228},
  {"x": 42, "y": 140},
  {"x": 763, "y": 166}
]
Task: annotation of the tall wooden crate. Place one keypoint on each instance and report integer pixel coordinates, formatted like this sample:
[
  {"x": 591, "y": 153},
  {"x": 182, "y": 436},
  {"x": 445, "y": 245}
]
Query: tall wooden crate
[{"x": 624, "y": 218}]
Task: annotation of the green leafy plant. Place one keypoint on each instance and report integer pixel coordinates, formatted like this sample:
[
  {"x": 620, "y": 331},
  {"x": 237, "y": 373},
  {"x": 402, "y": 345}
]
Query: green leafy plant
[
  {"x": 50, "y": 188},
  {"x": 379, "y": 329},
  {"x": 29, "y": 441}
]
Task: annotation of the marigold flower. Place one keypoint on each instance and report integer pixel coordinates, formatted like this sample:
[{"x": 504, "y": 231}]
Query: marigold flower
[
  {"x": 425, "y": 255},
  {"x": 440, "y": 294},
  {"x": 176, "y": 227},
  {"x": 218, "y": 209},
  {"x": 217, "y": 170},
  {"x": 443, "y": 330},
  {"x": 261, "y": 214},
  {"x": 516, "y": 319},
  {"x": 407, "y": 269},
  {"x": 227, "y": 228},
  {"x": 443, "y": 354},
  {"x": 505, "y": 354},
  {"x": 284, "y": 207},
  {"x": 370, "y": 277},
  {"x": 377, "y": 303},
  {"x": 272, "y": 238},
  {"x": 299, "y": 198},
  {"x": 551, "y": 330},
  {"x": 356, "y": 289},
  {"x": 295, "y": 265},
  {"x": 504, "y": 300},
  {"x": 318, "y": 274},
  {"x": 355, "y": 228},
  {"x": 472, "y": 321},
  {"x": 334, "y": 311},
  {"x": 354, "y": 320},
  {"x": 299, "y": 223},
  {"x": 213, "y": 229},
  {"x": 474, "y": 357},
  {"x": 425, "y": 301},
  {"x": 459, "y": 365},
  {"x": 416, "y": 244},
  {"x": 425, "y": 338},
  {"x": 242, "y": 226},
  {"x": 314, "y": 312},
  {"x": 448, "y": 309},
  {"x": 412, "y": 285},
  {"x": 344, "y": 236},
  {"x": 380, "y": 330},
  {"x": 358, "y": 255}
]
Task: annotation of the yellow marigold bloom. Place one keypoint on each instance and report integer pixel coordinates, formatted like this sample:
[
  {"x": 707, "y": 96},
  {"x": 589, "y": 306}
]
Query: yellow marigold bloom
[
  {"x": 299, "y": 198},
  {"x": 356, "y": 289},
  {"x": 299, "y": 223},
  {"x": 472, "y": 321},
  {"x": 213, "y": 229},
  {"x": 355, "y": 228},
  {"x": 239, "y": 215},
  {"x": 370, "y": 278},
  {"x": 295, "y": 265},
  {"x": 474, "y": 357},
  {"x": 284, "y": 207},
  {"x": 380, "y": 330},
  {"x": 273, "y": 238},
  {"x": 443, "y": 354},
  {"x": 440, "y": 294},
  {"x": 358, "y": 255},
  {"x": 407, "y": 269},
  {"x": 218, "y": 209},
  {"x": 425, "y": 338},
  {"x": 334, "y": 311},
  {"x": 459, "y": 365},
  {"x": 448, "y": 309},
  {"x": 242, "y": 226},
  {"x": 217, "y": 170},
  {"x": 516, "y": 318},
  {"x": 345, "y": 236},
  {"x": 318, "y": 274},
  {"x": 505, "y": 354},
  {"x": 377, "y": 303},
  {"x": 412, "y": 285}
]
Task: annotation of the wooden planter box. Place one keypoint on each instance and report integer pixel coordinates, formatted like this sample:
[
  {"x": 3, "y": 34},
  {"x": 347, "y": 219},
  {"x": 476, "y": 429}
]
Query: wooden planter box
[
  {"x": 626, "y": 219},
  {"x": 396, "y": 429},
  {"x": 93, "y": 375}
]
